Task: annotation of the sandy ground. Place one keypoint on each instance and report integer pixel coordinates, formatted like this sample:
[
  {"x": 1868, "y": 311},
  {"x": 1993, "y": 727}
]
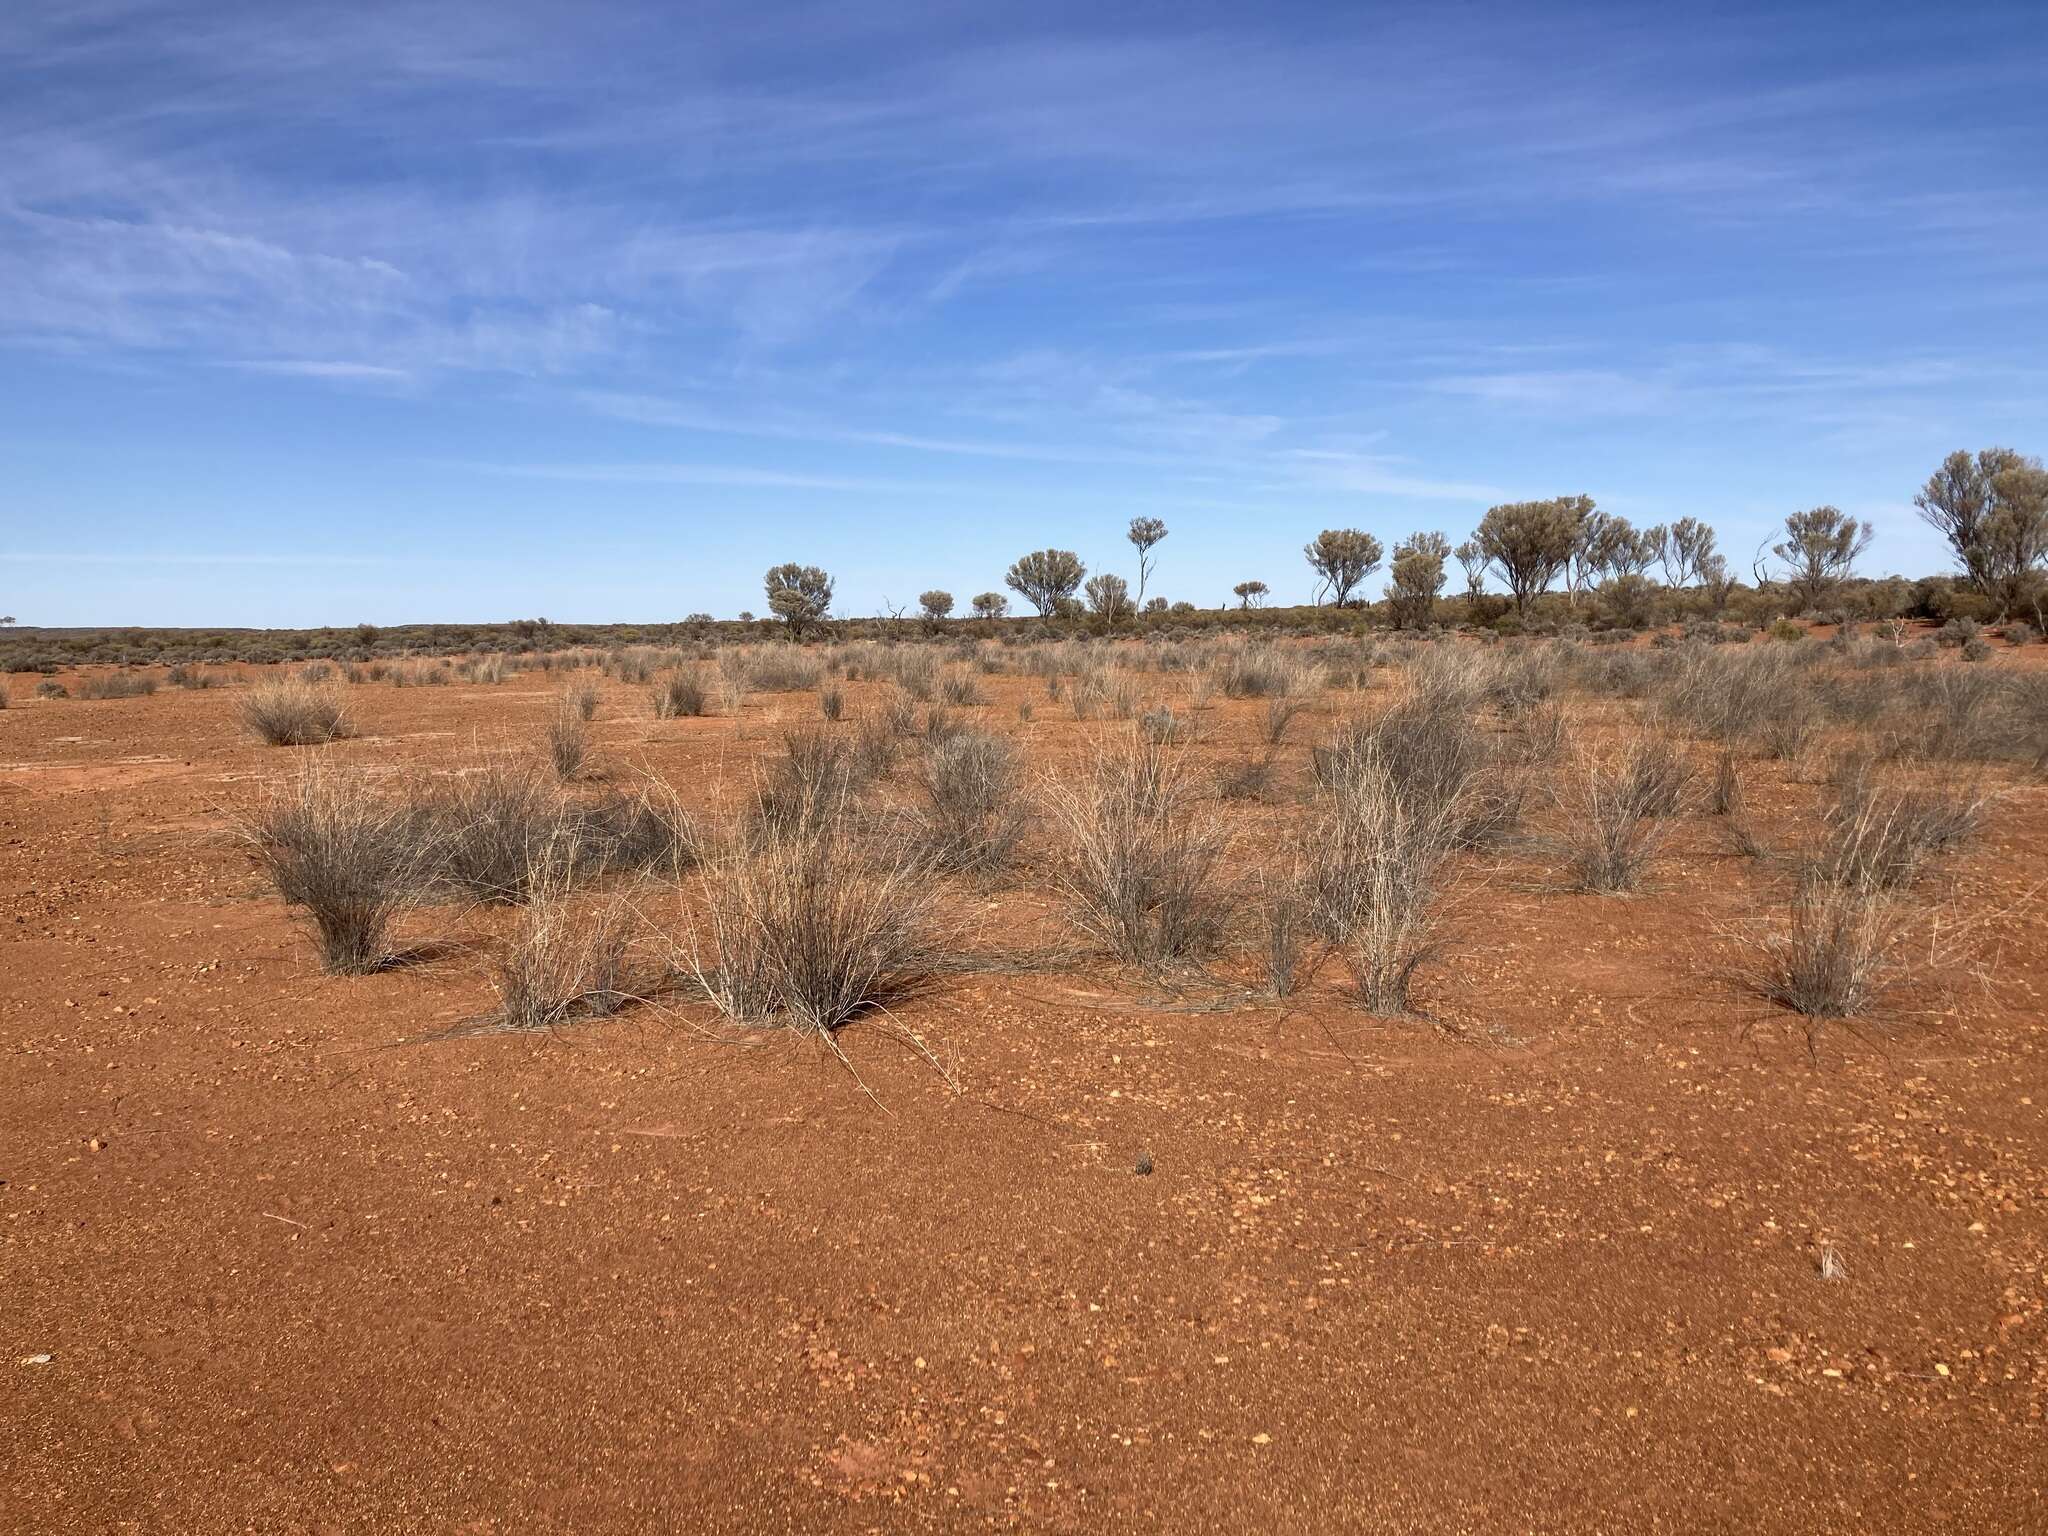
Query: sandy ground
[{"x": 276, "y": 1258}]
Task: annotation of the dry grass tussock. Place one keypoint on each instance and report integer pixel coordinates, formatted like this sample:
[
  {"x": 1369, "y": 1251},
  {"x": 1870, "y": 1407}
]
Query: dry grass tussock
[
  {"x": 350, "y": 855},
  {"x": 1616, "y": 813},
  {"x": 1144, "y": 854},
  {"x": 571, "y": 956},
  {"x": 290, "y": 712},
  {"x": 814, "y": 926},
  {"x": 972, "y": 813},
  {"x": 1371, "y": 872}
]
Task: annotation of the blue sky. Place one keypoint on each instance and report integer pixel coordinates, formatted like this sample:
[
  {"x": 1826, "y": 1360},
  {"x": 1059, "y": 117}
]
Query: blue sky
[{"x": 325, "y": 313}]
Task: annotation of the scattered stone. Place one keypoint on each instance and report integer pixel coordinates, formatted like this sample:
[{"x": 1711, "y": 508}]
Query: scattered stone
[{"x": 1144, "y": 1163}]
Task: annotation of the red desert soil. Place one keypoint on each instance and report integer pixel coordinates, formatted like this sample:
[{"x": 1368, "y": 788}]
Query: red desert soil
[{"x": 280, "y": 1256}]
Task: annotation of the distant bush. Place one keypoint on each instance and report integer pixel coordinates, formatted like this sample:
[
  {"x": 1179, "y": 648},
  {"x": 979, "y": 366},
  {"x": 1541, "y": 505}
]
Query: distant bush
[
  {"x": 288, "y": 712},
  {"x": 49, "y": 688},
  {"x": 116, "y": 685}
]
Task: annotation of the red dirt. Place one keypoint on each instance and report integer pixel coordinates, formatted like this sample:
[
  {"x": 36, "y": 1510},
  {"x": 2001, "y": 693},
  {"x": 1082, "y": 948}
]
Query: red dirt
[{"x": 298, "y": 1268}]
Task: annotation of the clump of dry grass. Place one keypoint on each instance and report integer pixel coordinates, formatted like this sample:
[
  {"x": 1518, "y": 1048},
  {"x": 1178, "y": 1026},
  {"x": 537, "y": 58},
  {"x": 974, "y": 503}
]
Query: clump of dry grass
[
  {"x": 973, "y": 813},
  {"x": 569, "y": 957},
  {"x": 1372, "y": 872},
  {"x": 678, "y": 695},
  {"x": 568, "y": 739},
  {"x": 289, "y": 712},
  {"x": 1615, "y": 814},
  {"x": 352, "y": 857},
  {"x": 1837, "y": 952},
  {"x": 814, "y": 927},
  {"x": 645, "y": 831},
  {"x": 816, "y": 774},
  {"x": 1441, "y": 765},
  {"x": 1142, "y": 861},
  {"x": 1880, "y": 838},
  {"x": 494, "y": 822},
  {"x": 117, "y": 685},
  {"x": 581, "y": 696}
]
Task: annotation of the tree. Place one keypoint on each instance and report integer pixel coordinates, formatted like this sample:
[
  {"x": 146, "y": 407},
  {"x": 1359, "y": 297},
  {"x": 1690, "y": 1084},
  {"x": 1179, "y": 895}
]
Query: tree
[
  {"x": 1418, "y": 576},
  {"x": 799, "y": 595},
  {"x": 1717, "y": 581},
  {"x": 1687, "y": 548},
  {"x": 1342, "y": 557},
  {"x": 6, "y": 621},
  {"x": 1631, "y": 551},
  {"x": 1473, "y": 559},
  {"x": 991, "y": 605},
  {"x": 1819, "y": 550},
  {"x": 1046, "y": 578},
  {"x": 2015, "y": 533},
  {"x": 1989, "y": 508},
  {"x": 1109, "y": 596},
  {"x": 1155, "y": 605},
  {"x": 1529, "y": 542},
  {"x": 1589, "y": 553},
  {"x": 933, "y": 607},
  {"x": 1250, "y": 594},
  {"x": 1144, "y": 533}
]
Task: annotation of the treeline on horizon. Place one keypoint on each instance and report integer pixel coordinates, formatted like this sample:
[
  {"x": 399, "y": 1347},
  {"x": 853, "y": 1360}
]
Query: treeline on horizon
[{"x": 1990, "y": 507}]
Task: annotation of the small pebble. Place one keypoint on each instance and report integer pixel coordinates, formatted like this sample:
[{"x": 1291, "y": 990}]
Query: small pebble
[{"x": 1144, "y": 1164}]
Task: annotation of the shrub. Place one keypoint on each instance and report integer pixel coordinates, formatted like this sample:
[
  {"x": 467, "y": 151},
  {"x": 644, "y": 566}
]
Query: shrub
[
  {"x": 49, "y": 688},
  {"x": 2020, "y": 633},
  {"x": 1976, "y": 648},
  {"x": 352, "y": 857},
  {"x": 1786, "y": 630},
  {"x": 582, "y": 699},
  {"x": 1141, "y": 866},
  {"x": 184, "y": 676},
  {"x": 286, "y": 712},
  {"x": 679, "y": 694},
  {"x": 831, "y": 703},
  {"x": 972, "y": 815},
  {"x": 1958, "y": 632}
]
